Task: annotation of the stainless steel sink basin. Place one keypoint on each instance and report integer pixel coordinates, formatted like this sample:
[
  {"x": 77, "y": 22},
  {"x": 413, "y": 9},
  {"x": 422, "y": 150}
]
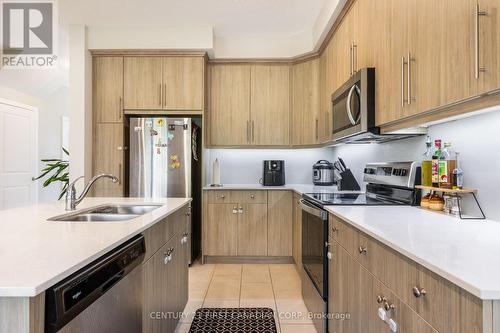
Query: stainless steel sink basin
[
  {"x": 89, "y": 217},
  {"x": 107, "y": 213},
  {"x": 125, "y": 209}
]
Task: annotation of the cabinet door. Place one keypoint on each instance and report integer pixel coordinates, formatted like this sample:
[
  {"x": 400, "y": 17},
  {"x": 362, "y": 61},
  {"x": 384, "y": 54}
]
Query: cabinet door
[
  {"x": 221, "y": 230},
  {"x": 108, "y": 158},
  {"x": 327, "y": 79},
  {"x": 391, "y": 32},
  {"x": 172, "y": 274},
  {"x": 252, "y": 230},
  {"x": 279, "y": 224},
  {"x": 440, "y": 68},
  {"x": 342, "y": 51},
  {"x": 270, "y": 105},
  {"x": 363, "y": 34},
  {"x": 297, "y": 232},
  {"x": 338, "y": 290},
  {"x": 307, "y": 122},
  {"x": 142, "y": 86},
  {"x": 229, "y": 105},
  {"x": 489, "y": 46},
  {"x": 108, "y": 89},
  {"x": 183, "y": 79}
]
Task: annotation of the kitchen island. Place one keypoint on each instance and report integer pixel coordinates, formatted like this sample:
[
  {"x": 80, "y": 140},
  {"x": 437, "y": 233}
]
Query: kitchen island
[{"x": 37, "y": 253}]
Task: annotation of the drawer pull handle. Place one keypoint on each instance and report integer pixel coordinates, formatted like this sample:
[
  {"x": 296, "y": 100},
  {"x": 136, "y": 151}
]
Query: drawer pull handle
[
  {"x": 418, "y": 292},
  {"x": 168, "y": 256},
  {"x": 389, "y": 307},
  {"x": 252, "y": 196},
  {"x": 222, "y": 196},
  {"x": 362, "y": 250},
  {"x": 381, "y": 299},
  {"x": 235, "y": 210},
  {"x": 335, "y": 229}
]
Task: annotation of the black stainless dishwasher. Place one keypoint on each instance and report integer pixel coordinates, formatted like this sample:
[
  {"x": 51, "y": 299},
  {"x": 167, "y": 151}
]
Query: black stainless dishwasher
[{"x": 104, "y": 296}]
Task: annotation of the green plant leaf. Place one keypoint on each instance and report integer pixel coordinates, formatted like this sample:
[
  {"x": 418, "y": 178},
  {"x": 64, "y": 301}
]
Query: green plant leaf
[{"x": 65, "y": 151}]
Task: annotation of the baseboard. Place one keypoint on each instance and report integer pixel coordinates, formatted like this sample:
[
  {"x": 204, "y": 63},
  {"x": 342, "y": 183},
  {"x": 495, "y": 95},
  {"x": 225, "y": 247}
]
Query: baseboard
[{"x": 246, "y": 260}]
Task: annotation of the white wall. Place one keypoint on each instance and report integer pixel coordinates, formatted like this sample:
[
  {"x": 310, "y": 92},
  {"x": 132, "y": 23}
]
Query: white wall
[{"x": 244, "y": 166}]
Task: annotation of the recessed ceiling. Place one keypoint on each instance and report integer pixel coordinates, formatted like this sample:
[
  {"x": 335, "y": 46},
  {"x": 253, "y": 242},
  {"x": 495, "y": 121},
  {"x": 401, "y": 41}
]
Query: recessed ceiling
[{"x": 271, "y": 18}]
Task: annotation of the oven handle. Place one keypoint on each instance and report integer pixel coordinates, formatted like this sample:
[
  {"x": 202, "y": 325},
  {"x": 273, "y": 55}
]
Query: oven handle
[
  {"x": 323, "y": 215},
  {"x": 348, "y": 105}
]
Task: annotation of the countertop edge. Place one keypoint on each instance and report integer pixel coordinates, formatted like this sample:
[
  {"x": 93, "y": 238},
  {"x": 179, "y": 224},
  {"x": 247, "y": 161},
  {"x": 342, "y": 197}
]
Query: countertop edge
[
  {"x": 37, "y": 290},
  {"x": 482, "y": 294}
]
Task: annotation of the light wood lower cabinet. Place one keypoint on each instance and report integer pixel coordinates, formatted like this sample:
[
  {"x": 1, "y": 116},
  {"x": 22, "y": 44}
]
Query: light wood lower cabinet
[
  {"x": 165, "y": 277},
  {"x": 221, "y": 230},
  {"x": 279, "y": 226},
  {"x": 366, "y": 275},
  {"x": 252, "y": 230},
  {"x": 248, "y": 223},
  {"x": 297, "y": 232}
]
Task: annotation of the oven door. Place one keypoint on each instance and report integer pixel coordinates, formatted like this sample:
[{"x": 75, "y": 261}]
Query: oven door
[
  {"x": 314, "y": 245},
  {"x": 353, "y": 105}
]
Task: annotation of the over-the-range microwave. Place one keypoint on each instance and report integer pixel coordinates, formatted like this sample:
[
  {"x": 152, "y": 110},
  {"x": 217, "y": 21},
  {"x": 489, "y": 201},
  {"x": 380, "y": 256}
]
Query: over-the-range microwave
[{"x": 353, "y": 112}]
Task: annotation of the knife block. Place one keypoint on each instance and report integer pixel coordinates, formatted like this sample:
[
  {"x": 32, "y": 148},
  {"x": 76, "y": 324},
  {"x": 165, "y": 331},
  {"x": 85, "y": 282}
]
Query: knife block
[{"x": 348, "y": 182}]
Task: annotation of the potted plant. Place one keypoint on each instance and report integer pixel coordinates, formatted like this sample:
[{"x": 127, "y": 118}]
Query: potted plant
[{"x": 58, "y": 172}]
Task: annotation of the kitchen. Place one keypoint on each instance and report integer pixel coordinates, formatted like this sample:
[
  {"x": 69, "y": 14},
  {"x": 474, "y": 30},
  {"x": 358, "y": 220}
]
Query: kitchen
[{"x": 247, "y": 176}]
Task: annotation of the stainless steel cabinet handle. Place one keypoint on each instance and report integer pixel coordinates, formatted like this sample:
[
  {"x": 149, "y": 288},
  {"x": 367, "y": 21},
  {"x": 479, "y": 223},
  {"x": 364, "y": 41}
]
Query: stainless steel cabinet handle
[
  {"x": 252, "y": 196},
  {"x": 354, "y": 60},
  {"x": 477, "y": 68},
  {"x": 381, "y": 299},
  {"x": 403, "y": 63},
  {"x": 253, "y": 131},
  {"x": 159, "y": 94},
  {"x": 168, "y": 256},
  {"x": 419, "y": 292},
  {"x": 222, "y": 196},
  {"x": 240, "y": 210},
  {"x": 335, "y": 229},
  {"x": 119, "y": 173},
  {"x": 248, "y": 131},
  {"x": 235, "y": 210},
  {"x": 389, "y": 306},
  {"x": 409, "y": 60},
  {"x": 120, "y": 108},
  {"x": 317, "y": 129},
  {"x": 362, "y": 250},
  {"x": 164, "y": 95},
  {"x": 350, "y": 60}
]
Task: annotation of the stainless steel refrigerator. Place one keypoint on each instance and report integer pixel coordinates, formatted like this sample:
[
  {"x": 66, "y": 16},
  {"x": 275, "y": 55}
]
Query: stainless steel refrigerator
[{"x": 160, "y": 157}]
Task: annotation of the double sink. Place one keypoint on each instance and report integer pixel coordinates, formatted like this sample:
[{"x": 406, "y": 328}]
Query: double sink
[{"x": 107, "y": 213}]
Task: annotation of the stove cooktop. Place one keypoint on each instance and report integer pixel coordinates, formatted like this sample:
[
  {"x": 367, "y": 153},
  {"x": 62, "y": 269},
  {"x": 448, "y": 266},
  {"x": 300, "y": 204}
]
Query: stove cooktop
[{"x": 348, "y": 199}]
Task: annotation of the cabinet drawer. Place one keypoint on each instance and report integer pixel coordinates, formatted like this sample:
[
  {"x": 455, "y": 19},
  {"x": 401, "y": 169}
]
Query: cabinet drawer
[
  {"x": 244, "y": 197},
  {"x": 217, "y": 196},
  {"x": 343, "y": 233}
]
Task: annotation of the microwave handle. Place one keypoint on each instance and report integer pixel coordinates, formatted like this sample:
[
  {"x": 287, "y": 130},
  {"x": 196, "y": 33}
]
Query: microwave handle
[{"x": 348, "y": 106}]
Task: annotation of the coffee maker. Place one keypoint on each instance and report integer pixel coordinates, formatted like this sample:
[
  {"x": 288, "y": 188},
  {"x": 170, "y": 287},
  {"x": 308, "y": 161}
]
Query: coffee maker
[{"x": 274, "y": 173}]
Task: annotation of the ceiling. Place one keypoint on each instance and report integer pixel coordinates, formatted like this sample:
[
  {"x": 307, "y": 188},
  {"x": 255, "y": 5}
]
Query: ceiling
[{"x": 278, "y": 23}]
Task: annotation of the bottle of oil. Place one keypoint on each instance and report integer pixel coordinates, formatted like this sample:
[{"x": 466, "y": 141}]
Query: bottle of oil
[
  {"x": 435, "y": 163},
  {"x": 447, "y": 163},
  {"x": 458, "y": 174},
  {"x": 427, "y": 163}
]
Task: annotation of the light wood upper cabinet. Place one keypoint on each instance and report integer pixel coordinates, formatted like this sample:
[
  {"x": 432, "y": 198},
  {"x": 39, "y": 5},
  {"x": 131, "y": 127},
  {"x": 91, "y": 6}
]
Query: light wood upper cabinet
[
  {"x": 252, "y": 230},
  {"x": 487, "y": 13},
  {"x": 229, "y": 105},
  {"x": 270, "y": 105},
  {"x": 108, "y": 158},
  {"x": 279, "y": 224},
  {"x": 183, "y": 83},
  {"x": 142, "y": 83},
  {"x": 307, "y": 120},
  {"x": 108, "y": 89}
]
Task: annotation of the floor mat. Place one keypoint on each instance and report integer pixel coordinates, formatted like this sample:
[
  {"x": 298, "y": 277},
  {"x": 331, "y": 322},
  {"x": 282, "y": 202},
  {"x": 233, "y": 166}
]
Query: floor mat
[{"x": 229, "y": 320}]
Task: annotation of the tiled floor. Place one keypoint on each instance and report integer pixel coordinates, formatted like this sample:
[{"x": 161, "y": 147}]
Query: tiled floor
[{"x": 276, "y": 286}]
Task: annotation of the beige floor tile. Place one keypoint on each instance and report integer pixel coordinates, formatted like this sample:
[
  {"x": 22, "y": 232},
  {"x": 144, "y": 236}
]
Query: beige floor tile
[
  {"x": 282, "y": 268},
  {"x": 182, "y": 328},
  {"x": 285, "y": 292},
  {"x": 257, "y": 291},
  {"x": 293, "y": 312},
  {"x": 258, "y": 303},
  {"x": 224, "y": 287},
  {"x": 227, "y": 269},
  {"x": 221, "y": 303},
  {"x": 286, "y": 283},
  {"x": 255, "y": 273},
  {"x": 197, "y": 293},
  {"x": 298, "y": 328},
  {"x": 190, "y": 310}
]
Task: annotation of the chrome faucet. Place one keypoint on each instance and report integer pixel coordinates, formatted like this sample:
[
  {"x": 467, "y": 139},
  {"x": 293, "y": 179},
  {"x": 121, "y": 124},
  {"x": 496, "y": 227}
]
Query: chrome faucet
[{"x": 72, "y": 201}]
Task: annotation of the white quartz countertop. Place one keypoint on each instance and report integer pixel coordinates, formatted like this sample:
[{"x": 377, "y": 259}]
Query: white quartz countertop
[
  {"x": 36, "y": 254},
  {"x": 466, "y": 253},
  {"x": 299, "y": 188}
]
